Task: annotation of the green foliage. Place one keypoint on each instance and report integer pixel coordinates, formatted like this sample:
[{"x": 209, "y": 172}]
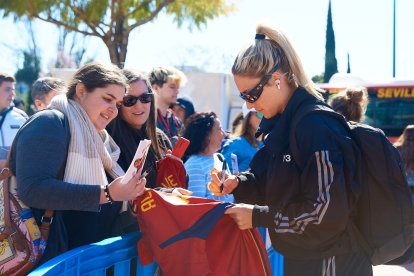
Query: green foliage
[
  {"x": 28, "y": 74},
  {"x": 331, "y": 66},
  {"x": 113, "y": 20},
  {"x": 318, "y": 78},
  {"x": 30, "y": 70},
  {"x": 28, "y": 104},
  {"x": 197, "y": 12}
]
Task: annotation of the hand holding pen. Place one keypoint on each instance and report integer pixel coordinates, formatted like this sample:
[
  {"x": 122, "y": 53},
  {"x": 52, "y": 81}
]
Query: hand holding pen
[
  {"x": 221, "y": 182},
  {"x": 147, "y": 171},
  {"x": 223, "y": 175},
  {"x": 220, "y": 185},
  {"x": 223, "y": 170}
]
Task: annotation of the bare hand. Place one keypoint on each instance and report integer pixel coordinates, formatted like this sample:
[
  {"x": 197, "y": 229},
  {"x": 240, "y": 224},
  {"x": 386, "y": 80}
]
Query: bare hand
[
  {"x": 181, "y": 191},
  {"x": 2, "y": 164},
  {"x": 230, "y": 183},
  {"x": 242, "y": 214},
  {"x": 129, "y": 191},
  {"x": 169, "y": 155}
]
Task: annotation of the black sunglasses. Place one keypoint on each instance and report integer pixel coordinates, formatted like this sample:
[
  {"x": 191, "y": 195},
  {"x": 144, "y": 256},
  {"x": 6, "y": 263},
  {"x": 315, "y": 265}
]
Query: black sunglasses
[
  {"x": 131, "y": 100},
  {"x": 253, "y": 94}
]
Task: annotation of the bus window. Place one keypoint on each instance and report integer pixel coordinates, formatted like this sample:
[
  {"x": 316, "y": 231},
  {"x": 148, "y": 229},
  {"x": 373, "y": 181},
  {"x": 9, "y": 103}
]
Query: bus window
[{"x": 390, "y": 115}]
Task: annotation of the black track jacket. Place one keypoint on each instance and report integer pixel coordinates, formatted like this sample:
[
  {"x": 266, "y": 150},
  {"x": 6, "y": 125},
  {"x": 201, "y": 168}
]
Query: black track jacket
[{"x": 305, "y": 208}]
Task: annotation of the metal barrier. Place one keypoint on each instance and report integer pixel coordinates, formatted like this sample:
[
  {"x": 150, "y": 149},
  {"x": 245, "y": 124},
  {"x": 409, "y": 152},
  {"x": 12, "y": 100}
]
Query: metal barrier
[{"x": 118, "y": 255}]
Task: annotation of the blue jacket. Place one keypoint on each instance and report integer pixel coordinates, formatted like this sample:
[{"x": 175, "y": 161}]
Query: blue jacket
[{"x": 243, "y": 149}]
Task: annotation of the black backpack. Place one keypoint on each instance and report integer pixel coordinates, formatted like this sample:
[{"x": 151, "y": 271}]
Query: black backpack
[{"x": 383, "y": 220}]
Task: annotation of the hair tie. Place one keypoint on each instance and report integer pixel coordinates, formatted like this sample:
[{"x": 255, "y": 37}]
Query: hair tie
[{"x": 259, "y": 36}]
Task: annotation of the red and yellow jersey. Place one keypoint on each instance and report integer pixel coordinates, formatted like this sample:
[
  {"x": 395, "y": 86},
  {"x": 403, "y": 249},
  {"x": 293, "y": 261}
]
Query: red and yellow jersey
[{"x": 193, "y": 236}]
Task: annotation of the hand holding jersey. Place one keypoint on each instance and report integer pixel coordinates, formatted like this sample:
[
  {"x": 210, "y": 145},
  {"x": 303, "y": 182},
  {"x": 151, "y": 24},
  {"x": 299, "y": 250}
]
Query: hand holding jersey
[
  {"x": 240, "y": 213},
  {"x": 181, "y": 192}
]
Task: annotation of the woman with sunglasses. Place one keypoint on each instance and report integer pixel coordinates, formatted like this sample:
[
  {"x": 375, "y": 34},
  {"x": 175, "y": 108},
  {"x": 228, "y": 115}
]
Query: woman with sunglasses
[
  {"x": 137, "y": 121},
  {"x": 306, "y": 204},
  {"x": 243, "y": 143},
  {"x": 65, "y": 161}
]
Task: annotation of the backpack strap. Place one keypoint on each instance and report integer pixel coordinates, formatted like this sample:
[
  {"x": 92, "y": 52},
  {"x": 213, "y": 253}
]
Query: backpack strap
[
  {"x": 5, "y": 173},
  {"x": 4, "y": 114},
  {"x": 46, "y": 221},
  {"x": 303, "y": 111}
]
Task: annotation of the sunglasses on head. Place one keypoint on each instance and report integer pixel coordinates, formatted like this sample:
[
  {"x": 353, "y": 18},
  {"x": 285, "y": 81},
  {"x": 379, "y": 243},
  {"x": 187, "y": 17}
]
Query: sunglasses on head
[
  {"x": 131, "y": 100},
  {"x": 253, "y": 94}
]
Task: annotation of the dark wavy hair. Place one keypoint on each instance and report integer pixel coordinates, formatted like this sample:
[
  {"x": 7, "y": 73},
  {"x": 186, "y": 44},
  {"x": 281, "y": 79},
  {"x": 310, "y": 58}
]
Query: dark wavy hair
[
  {"x": 246, "y": 129},
  {"x": 96, "y": 75},
  {"x": 405, "y": 144},
  {"x": 198, "y": 132}
]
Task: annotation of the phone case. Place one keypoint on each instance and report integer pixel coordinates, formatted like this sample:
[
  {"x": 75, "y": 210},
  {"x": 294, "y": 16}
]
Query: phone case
[{"x": 180, "y": 147}]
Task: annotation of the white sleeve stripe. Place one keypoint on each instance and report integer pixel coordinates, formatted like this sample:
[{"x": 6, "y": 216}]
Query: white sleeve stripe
[
  {"x": 325, "y": 179},
  {"x": 325, "y": 169},
  {"x": 318, "y": 164},
  {"x": 329, "y": 266},
  {"x": 331, "y": 170}
]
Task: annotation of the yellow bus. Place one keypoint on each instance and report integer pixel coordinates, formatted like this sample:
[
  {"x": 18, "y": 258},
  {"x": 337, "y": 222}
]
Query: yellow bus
[{"x": 391, "y": 104}]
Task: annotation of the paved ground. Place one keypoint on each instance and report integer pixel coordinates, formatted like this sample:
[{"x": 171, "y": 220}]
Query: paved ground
[{"x": 394, "y": 270}]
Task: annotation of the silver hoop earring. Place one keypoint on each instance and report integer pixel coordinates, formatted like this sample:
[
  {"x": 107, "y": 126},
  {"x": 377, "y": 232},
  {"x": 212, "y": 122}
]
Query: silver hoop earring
[{"x": 278, "y": 84}]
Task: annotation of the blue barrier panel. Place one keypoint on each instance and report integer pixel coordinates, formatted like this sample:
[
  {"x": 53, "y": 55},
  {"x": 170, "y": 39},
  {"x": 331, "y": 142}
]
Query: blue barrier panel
[
  {"x": 276, "y": 262},
  {"x": 96, "y": 258},
  {"x": 275, "y": 259},
  {"x": 118, "y": 254}
]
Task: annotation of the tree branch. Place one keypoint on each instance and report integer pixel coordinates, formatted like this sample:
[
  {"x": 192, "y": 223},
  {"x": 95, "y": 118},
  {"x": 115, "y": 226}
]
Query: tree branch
[
  {"x": 113, "y": 16},
  {"x": 136, "y": 8},
  {"x": 67, "y": 26},
  {"x": 78, "y": 12},
  {"x": 151, "y": 16},
  {"x": 33, "y": 13}
]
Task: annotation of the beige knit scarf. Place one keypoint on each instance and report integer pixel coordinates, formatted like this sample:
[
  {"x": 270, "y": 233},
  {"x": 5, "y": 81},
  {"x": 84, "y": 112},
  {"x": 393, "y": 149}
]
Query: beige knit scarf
[{"x": 91, "y": 153}]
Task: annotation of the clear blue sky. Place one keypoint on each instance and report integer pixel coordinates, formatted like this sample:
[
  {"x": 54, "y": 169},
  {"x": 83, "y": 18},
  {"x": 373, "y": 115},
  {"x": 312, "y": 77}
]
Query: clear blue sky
[{"x": 364, "y": 28}]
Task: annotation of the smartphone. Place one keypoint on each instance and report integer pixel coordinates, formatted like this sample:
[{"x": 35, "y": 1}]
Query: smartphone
[
  {"x": 234, "y": 163},
  {"x": 180, "y": 147}
]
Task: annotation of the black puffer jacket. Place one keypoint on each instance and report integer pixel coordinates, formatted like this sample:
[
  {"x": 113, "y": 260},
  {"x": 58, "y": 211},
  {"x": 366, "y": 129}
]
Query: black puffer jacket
[{"x": 306, "y": 208}]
